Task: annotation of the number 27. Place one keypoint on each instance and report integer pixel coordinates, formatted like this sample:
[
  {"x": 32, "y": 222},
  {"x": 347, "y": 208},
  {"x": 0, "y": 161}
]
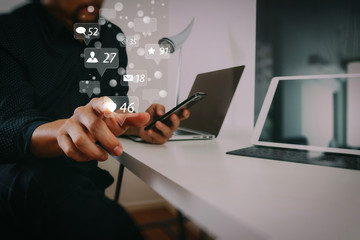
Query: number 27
[{"x": 109, "y": 57}]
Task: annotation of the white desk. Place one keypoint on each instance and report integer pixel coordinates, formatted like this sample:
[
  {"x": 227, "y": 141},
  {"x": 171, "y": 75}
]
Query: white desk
[{"x": 234, "y": 197}]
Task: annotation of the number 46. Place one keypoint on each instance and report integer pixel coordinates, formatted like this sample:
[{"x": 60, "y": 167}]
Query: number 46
[{"x": 129, "y": 108}]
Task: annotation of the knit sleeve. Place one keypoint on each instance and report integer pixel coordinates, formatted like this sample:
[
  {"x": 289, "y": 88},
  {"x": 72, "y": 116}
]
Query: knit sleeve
[{"x": 18, "y": 115}]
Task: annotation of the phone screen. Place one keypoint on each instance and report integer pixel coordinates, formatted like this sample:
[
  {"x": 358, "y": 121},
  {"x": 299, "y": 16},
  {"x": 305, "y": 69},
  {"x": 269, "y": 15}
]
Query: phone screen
[{"x": 185, "y": 104}]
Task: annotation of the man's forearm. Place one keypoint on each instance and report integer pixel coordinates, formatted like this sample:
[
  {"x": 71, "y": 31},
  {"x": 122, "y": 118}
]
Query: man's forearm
[{"x": 43, "y": 141}]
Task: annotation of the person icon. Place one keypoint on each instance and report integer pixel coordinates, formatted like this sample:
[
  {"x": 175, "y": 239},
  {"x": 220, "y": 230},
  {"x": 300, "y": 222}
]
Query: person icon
[{"x": 92, "y": 58}]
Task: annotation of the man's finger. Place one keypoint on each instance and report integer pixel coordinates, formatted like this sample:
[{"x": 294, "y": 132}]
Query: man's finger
[
  {"x": 84, "y": 144},
  {"x": 135, "y": 119},
  {"x": 70, "y": 149},
  {"x": 185, "y": 114},
  {"x": 151, "y": 110},
  {"x": 156, "y": 137},
  {"x": 103, "y": 105},
  {"x": 164, "y": 129},
  {"x": 175, "y": 122},
  {"x": 159, "y": 109},
  {"x": 100, "y": 131}
]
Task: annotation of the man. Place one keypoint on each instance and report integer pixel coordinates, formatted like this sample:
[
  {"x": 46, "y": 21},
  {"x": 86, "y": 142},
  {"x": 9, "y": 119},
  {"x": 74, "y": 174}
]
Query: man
[{"x": 50, "y": 185}]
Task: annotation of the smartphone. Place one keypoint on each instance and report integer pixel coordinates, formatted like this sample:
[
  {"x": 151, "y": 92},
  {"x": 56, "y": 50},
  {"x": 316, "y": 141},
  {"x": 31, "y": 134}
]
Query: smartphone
[{"x": 186, "y": 103}]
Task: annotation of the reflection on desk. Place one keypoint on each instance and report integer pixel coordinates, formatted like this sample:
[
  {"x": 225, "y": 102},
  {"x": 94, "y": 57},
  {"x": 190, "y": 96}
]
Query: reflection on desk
[{"x": 236, "y": 197}]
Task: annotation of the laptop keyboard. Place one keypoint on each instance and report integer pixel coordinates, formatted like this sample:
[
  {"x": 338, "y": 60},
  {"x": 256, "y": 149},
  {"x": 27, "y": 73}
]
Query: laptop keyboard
[{"x": 301, "y": 156}]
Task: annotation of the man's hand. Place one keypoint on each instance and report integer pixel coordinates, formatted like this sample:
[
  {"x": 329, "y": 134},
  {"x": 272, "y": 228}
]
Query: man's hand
[
  {"x": 162, "y": 132},
  {"x": 96, "y": 123}
]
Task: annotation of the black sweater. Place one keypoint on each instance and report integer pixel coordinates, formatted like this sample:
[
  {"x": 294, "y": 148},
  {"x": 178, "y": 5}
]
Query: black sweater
[{"x": 40, "y": 71}]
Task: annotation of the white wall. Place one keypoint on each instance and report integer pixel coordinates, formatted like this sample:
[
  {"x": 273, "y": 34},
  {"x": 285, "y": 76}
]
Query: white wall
[{"x": 223, "y": 36}]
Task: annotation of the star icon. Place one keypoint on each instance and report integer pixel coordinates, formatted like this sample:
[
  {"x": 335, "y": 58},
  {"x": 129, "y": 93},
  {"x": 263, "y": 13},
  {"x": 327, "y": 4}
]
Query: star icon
[{"x": 151, "y": 51}]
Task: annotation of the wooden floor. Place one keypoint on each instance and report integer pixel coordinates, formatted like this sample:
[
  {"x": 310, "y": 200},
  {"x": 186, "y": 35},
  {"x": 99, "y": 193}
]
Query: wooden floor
[{"x": 161, "y": 224}]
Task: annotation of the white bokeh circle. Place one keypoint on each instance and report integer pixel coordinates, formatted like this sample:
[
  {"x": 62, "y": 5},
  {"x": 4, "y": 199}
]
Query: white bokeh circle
[
  {"x": 140, "y": 13},
  {"x": 91, "y": 9},
  {"x": 162, "y": 93},
  {"x": 113, "y": 83},
  {"x": 158, "y": 74},
  {"x": 146, "y": 19},
  {"x": 118, "y": 6},
  {"x": 141, "y": 51},
  {"x": 121, "y": 71}
]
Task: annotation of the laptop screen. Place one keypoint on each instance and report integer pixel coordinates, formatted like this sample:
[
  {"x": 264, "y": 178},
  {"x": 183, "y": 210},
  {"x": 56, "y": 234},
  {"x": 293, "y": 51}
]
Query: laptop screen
[
  {"x": 219, "y": 86},
  {"x": 320, "y": 113}
]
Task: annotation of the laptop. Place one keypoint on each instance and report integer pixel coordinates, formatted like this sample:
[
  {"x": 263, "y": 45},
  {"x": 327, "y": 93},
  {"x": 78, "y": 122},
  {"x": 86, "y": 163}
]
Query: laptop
[
  {"x": 309, "y": 119},
  {"x": 208, "y": 115}
]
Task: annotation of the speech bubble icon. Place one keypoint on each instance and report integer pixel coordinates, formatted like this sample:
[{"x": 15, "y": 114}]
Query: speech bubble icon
[
  {"x": 89, "y": 87},
  {"x": 86, "y": 31},
  {"x": 101, "y": 59},
  {"x": 156, "y": 53},
  {"x": 80, "y": 30},
  {"x": 125, "y": 104},
  {"x": 135, "y": 79},
  {"x": 129, "y": 41},
  {"x": 151, "y": 95}
]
